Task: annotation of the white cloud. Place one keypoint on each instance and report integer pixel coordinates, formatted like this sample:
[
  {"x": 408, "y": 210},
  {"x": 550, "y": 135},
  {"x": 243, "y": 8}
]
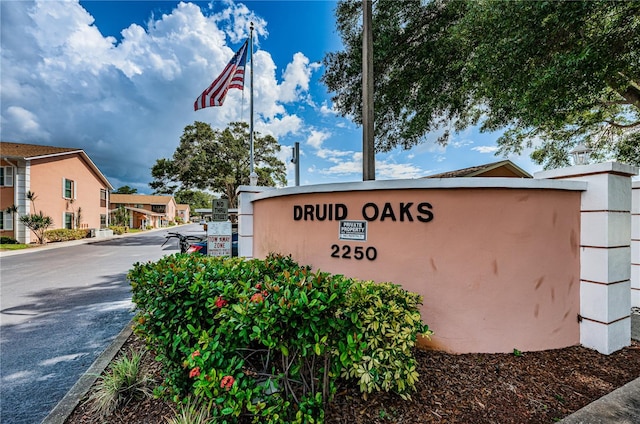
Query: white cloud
[
  {"x": 350, "y": 163},
  {"x": 344, "y": 168},
  {"x": 316, "y": 138},
  {"x": 127, "y": 102},
  {"x": 485, "y": 149},
  {"x": 335, "y": 156},
  {"x": 456, "y": 144},
  {"x": 388, "y": 171},
  {"x": 280, "y": 127},
  {"x": 296, "y": 78},
  {"x": 24, "y": 122},
  {"x": 326, "y": 110}
]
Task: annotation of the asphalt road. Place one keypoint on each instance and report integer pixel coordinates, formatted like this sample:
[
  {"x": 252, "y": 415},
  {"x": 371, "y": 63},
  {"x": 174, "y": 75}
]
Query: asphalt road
[{"x": 59, "y": 309}]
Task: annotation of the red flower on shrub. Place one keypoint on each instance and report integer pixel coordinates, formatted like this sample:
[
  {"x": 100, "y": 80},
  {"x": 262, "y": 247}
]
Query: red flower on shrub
[
  {"x": 194, "y": 354},
  {"x": 221, "y": 302},
  {"x": 194, "y": 372},
  {"x": 259, "y": 286},
  {"x": 227, "y": 382},
  {"x": 257, "y": 298}
]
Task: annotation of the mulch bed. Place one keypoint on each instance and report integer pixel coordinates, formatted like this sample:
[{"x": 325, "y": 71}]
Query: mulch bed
[{"x": 536, "y": 387}]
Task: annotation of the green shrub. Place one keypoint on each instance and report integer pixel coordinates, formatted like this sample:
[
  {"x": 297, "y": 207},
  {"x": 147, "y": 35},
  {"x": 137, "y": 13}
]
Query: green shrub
[
  {"x": 8, "y": 240},
  {"x": 378, "y": 353},
  {"x": 118, "y": 229},
  {"x": 181, "y": 290},
  {"x": 269, "y": 337},
  {"x": 270, "y": 354},
  {"x": 64, "y": 234}
]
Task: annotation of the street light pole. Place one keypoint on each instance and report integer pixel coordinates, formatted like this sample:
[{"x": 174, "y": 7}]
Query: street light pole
[{"x": 368, "y": 146}]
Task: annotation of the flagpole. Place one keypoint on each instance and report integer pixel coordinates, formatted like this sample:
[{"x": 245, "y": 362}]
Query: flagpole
[{"x": 253, "y": 177}]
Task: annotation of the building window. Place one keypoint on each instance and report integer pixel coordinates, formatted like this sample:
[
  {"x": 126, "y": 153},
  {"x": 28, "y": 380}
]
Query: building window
[
  {"x": 158, "y": 208},
  {"x": 6, "y": 221},
  {"x": 6, "y": 176},
  {"x": 103, "y": 197},
  {"x": 68, "y": 189},
  {"x": 103, "y": 221},
  {"x": 68, "y": 221}
]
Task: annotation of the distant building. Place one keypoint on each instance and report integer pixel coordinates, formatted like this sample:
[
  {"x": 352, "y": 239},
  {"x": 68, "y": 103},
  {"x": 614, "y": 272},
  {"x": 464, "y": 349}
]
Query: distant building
[
  {"x": 68, "y": 187},
  {"x": 184, "y": 212},
  {"x": 145, "y": 210},
  {"x": 504, "y": 168}
]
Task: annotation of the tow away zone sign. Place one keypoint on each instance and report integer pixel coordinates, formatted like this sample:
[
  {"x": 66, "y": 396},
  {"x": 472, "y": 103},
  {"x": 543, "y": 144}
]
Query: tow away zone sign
[
  {"x": 353, "y": 230},
  {"x": 219, "y": 238}
]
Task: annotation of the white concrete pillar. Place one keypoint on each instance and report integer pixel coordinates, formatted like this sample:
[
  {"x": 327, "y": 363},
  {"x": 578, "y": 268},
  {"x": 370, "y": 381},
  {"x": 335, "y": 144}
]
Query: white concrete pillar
[
  {"x": 635, "y": 245},
  {"x": 605, "y": 253},
  {"x": 245, "y": 218},
  {"x": 21, "y": 185}
]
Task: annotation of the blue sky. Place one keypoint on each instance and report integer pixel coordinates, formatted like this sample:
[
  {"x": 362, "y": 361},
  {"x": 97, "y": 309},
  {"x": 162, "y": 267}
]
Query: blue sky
[{"x": 119, "y": 78}]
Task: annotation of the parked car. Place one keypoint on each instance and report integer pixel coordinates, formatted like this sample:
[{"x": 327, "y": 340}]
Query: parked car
[{"x": 198, "y": 244}]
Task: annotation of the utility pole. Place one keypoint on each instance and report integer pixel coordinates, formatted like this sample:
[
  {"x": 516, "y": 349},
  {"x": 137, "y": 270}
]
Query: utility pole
[
  {"x": 296, "y": 159},
  {"x": 368, "y": 146}
]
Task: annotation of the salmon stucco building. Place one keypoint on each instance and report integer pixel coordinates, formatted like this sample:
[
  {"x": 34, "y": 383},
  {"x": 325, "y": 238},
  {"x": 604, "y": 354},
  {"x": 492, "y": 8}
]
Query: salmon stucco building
[
  {"x": 183, "y": 211},
  {"x": 146, "y": 211},
  {"x": 66, "y": 183}
]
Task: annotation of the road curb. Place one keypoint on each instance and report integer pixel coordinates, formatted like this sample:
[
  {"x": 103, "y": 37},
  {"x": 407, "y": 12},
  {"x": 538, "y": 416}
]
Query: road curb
[
  {"x": 70, "y": 401},
  {"x": 621, "y": 406}
]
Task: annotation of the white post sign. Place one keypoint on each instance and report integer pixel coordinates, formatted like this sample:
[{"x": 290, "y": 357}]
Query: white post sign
[{"x": 219, "y": 238}]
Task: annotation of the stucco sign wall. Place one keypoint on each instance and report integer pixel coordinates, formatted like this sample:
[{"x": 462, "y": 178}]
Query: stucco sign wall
[{"x": 498, "y": 267}]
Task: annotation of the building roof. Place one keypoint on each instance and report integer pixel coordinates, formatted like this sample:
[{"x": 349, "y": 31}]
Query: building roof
[
  {"x": 140, "y": 199},
  {"x": 504, "y": 168},
  {"x": 182, "y": 206},
  {"x": 10, "y": 150},
  {"x": 142, "y": 211},
  {"x": 33, "y": 151}
]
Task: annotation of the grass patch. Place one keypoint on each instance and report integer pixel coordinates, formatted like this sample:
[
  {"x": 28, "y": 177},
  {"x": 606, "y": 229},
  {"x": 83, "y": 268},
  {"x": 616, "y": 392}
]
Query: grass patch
[{"x": 14, "y": 246}]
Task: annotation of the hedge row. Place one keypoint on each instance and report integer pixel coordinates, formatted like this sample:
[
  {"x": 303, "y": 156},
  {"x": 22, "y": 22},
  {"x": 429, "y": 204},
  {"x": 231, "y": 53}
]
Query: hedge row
[{"x": 63, "y": 234}]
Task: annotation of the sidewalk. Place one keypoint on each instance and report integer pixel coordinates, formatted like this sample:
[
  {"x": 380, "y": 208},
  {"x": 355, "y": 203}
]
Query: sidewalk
[
  {"x": 622, "y": 406},
  {"x": 59, "y": 244}
]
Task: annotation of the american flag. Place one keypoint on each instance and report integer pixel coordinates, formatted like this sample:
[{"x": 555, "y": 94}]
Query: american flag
[{"x": 231, "y": 77}]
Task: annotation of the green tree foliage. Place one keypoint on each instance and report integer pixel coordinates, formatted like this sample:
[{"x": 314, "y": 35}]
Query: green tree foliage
[
  {"x": 165, "y": 177},
  {"x": 38, "y": 223},
  {"x": 120, "y": 217},
  {"x": 196, "y": 199},
  {"x": 126, "y": 190},
  {"x": 549, "y": 74},
  {"x": 218, "y": 160}
]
